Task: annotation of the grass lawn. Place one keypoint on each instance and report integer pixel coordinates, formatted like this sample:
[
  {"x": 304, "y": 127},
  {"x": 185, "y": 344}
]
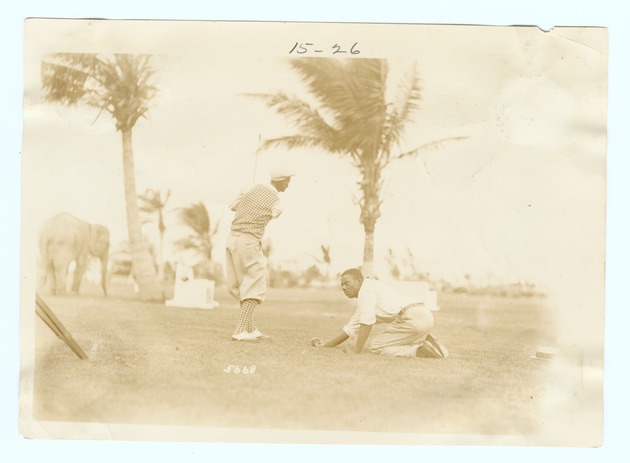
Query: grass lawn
[{"x": 153, "y": 364}]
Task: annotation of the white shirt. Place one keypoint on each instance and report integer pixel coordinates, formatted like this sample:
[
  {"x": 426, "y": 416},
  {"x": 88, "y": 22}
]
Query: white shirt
[{"x": 376, "y": 302}]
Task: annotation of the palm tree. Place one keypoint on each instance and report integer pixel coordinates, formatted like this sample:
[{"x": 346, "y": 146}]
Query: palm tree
[
  {"x": 351, "y": 117},
  {"x": 325, "y": 259},
  {"x": 394, "y": 268},
  {"x": 120, "y": 85},
  {"x": 152, "y": 204},
  {"x": 196, "y": 217}
]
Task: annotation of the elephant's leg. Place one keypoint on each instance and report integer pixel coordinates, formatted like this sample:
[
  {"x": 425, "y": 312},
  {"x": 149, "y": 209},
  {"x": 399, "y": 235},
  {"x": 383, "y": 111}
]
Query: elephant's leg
[
  {"x": 61, "y": 272},
  {"x": 61, "y": 262},
  {"x": 79, "y": 271},
  {"x": 50, "y": 278},
  {"x": 42, "y": 277},
  {"x": 45, "y": 277},
  {"x": 104, "y": 273}
]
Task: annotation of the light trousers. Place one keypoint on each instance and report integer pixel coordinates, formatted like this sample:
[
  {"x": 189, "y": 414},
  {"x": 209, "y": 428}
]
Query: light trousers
[
  {"x": 245, "y": 267},
  {"x": 404, "y": 334}
]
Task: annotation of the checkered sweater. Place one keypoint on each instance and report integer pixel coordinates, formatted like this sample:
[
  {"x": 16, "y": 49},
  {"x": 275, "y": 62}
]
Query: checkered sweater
[{"x": 254, "y": 209}]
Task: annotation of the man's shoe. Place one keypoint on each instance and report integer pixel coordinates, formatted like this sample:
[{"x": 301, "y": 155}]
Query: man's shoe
[
  {"x": 427, "y": 350},
  {"x": 259, "y": 335},
  {"x": 244, "y": 336},
  {"x": 437, "y": 346}
]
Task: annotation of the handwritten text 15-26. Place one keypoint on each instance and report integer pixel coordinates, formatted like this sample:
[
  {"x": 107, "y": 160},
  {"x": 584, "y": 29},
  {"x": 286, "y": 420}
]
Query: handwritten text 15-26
[{"x": 303, "y": 48}]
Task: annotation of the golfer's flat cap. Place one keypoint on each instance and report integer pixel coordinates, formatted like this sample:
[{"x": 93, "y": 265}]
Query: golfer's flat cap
[{"x": 280, "y": 173}]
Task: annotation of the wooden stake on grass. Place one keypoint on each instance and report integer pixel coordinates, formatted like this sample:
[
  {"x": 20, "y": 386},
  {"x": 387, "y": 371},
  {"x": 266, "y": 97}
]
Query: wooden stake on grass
[{"x": 46, "y": 314}]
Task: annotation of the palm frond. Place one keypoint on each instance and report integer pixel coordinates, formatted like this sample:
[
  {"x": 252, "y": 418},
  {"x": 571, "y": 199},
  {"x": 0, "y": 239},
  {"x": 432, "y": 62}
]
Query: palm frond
[
  {"x": 428, "y": 146},
  {"x": 308, "y": 120},
  {"x": 399, "y": 112},
  {"x": 68, "y": 78},
  {"x": 118, "y": 84},
  {"x": 167, "y": 196},
  {"x": 151, "y": 200},
  {"x": 200, "y": 246},
  {"x": 407, "y": 96},
  {"x": 353, "y": 92},
  {"x": 351, "y": 108},
  {"x": 326, "y": 253},
  {"x": 190, "y": 242},
  {"x": 196, "y": 217},
  {"x": 351, "y": 88},
  {"x": 297, "y": 141}
]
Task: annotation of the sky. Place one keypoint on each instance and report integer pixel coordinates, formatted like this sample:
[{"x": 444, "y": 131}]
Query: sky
[{"x": 521, "y": 198}]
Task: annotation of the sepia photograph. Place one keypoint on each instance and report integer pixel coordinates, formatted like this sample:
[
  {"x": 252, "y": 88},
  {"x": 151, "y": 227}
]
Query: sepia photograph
[{"x": 304, "y": 232}]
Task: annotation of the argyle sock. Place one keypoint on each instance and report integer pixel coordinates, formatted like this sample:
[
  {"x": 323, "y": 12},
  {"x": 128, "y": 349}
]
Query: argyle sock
[{"x": 245, "y": 319}]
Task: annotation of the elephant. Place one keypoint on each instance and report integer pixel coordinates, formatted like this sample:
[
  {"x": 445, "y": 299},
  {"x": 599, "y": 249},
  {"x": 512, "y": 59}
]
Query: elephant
[{"x": 64, "y": 238}]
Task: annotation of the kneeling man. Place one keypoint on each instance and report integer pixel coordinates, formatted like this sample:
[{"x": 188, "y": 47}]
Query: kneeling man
[{"x": 409, "y": 321}]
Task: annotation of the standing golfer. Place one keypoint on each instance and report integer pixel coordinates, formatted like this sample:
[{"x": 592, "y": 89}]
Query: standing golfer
[
  {"x": 245, "y": 262},
  {"x": 409, "y": 322}
]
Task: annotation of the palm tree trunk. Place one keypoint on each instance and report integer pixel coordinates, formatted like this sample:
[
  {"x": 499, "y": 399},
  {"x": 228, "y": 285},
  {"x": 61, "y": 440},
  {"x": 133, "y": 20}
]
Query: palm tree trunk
[
  {"x": 143, "y": 270},
  {"x": 369, "y": 216},
  {"x": 368, "y": 252},
  {"x": 160, "y": 274},
  {"x": 370, "y": 210},
  {"x": 161, "y": 230}
]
